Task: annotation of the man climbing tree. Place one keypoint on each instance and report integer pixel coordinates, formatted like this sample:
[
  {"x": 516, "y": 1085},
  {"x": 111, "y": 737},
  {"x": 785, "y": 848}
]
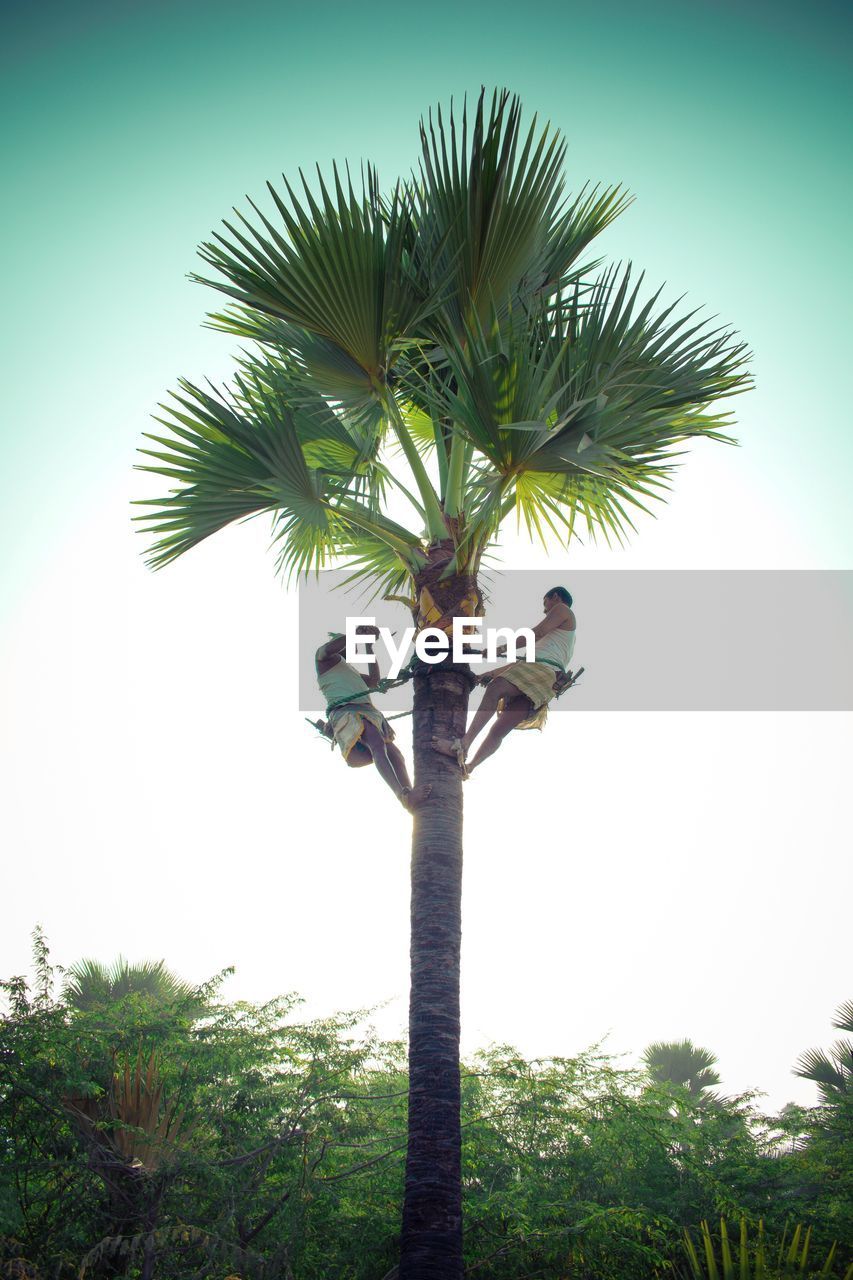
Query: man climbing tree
[
  {"x": 518, "y": 694},
  {"x": 444, "y": 345},
  {"x": 354, "y": 723}
]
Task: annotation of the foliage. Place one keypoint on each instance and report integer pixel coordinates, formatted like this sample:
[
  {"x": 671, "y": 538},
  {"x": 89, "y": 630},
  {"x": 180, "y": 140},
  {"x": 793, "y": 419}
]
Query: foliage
[
  {"x": 207, "y": 1144},
  {"x": 242, "y": 1141},
  {"x": 446, "y": 342},
  {"x": 821, "y": 1154},
  {"x": 90, "y": 985},
  {"x": 833, "y": 1071},
  {"x": 750, "y": 1262},
  {"x": 684, "y": 1064}
]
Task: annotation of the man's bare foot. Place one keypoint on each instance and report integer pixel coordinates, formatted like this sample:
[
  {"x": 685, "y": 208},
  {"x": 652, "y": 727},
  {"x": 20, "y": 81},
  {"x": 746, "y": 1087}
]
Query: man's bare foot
[
  {"x": 455, "y": 749},
  {"x": 413, "y": 797},
  {"x": 452, "y": 747}
]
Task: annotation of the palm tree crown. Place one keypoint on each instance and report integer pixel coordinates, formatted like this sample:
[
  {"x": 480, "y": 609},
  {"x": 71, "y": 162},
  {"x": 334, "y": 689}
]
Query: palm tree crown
[
  {"x": 453, "y": 325},
  {"x": 90, "y": 985},
  {"x": 832, "y": 1071},
  {"x": 683, "y": 1063}
]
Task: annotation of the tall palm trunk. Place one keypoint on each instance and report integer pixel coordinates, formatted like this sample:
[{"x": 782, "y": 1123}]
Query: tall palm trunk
[{"x": 432, "y": 1209}]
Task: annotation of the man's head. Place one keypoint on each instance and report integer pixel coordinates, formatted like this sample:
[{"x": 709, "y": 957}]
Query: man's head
[{"x": 557, "y": 595}]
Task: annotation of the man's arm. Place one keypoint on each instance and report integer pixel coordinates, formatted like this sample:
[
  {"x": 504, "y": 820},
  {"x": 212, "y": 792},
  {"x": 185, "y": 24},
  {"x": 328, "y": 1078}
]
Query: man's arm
[
  {"x": 332, "y": 648},
  {"x": 371, "y": 675},
  {"x": 328, "y": 654},
  {"x": 552, "y": 621}
]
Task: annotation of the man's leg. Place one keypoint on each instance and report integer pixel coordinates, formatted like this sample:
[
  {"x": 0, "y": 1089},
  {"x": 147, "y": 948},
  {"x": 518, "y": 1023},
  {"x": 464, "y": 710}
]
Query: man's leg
[
  {"x": 495, "y": 690},
  {"x": 398, "y": 764},
  {"x": 414, "y": 795},
  {"x": 515, "y": 711},
  {"x": 385, "y": 756}
]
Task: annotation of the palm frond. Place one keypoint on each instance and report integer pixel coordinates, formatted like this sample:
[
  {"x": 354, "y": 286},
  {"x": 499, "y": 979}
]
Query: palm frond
[
  {"x": 332, "y": 440},
  {"x": 843, "y": 1019},
  {"x": 454, "y": 320},
  {"x": 490, "y": 213},
  {"x": 336, "y": 265},
  {"x": 491, "y": 382},
  {"x": 239, "y": 456},
  {"x": 592, "y": 210},
  {"x": 832, "y": 1072},
  {"x": 89, "y": 984},
  {"x": 600, "y": 389},
  {"x": 377, "y": 567},
  {"x": 681, "y": 1062},
  {"x": 222, "y": 463},
  {"x": 323, "y": 368}
]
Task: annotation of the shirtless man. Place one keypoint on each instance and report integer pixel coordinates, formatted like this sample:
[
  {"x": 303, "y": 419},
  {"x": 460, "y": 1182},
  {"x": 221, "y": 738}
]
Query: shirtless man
[
  {"x": 360, "y": 730},
  {"x": 518, "y": 694}
]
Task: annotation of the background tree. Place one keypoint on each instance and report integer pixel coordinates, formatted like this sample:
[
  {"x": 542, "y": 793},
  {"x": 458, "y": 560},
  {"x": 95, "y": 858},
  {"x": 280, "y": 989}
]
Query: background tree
[
  {"x": 832, "y": 1071},
  {"x": 683, "y": 1063},
  {"x": 821, "y": 1163},
  {"x": 90, "y": 985},
  {"x": 207, "y": 1163},
  {"x": 442, "y": 348}
]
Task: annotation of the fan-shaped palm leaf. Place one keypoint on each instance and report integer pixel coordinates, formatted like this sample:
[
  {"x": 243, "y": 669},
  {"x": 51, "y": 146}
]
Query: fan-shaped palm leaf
[
  {"x": 240, "y": 457},
  {"x": 683, "y": 1063},
  {"x": 89, "y": 984},
  {"x": 843, "y": 1019},
  {"x": 596, "y": 391},
  {"x": 336, "y": 266},
  {"x": 831, "y": 1071},
  {"x": 492, "y": 216}
]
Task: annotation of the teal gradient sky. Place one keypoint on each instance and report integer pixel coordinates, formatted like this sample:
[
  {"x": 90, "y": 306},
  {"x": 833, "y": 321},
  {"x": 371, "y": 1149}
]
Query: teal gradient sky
[
  {"x": 151, "y": 721},
  {"x": 131, "y": 130}
]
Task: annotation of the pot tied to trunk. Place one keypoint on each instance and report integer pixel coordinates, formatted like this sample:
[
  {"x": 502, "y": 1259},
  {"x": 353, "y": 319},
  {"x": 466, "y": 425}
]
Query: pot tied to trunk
[{"x": 440, "y": 348}]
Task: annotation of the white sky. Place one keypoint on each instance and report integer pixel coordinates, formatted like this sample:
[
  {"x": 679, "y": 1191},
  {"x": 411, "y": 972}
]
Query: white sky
[{"x": 632, "y": 876}]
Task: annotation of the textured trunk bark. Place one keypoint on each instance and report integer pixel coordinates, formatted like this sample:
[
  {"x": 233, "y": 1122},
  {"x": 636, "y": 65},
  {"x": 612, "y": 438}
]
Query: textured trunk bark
[{"x": 431, "y": 1247}]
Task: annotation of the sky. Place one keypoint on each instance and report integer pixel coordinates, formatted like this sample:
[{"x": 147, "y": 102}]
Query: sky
[{"x": 630, "y": 876}]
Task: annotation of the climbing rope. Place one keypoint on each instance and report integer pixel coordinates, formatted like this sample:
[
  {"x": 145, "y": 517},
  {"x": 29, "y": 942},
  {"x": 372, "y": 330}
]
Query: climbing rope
[
  {"x": 382, "y": 686},
  {"x": 566, "y": 679}
]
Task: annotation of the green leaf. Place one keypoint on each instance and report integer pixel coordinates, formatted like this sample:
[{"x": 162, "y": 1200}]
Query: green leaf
[{"x": 335, "y": 265}]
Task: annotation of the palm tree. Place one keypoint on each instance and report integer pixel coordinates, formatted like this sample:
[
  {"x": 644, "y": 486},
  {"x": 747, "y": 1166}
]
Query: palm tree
[
  {"x": 832, "y": 1072},
  {"x": 129, "y": 1126},
  {"x": 91, "y": 985},
  {"x": 442, "y": 345},
  {"x": 683, "y": 1063},
  {"x": 133, "y": 1132}
]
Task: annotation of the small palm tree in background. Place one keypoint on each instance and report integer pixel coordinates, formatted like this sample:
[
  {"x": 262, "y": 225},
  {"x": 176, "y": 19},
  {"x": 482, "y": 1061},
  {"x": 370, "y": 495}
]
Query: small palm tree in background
[
  {"x": 91, "y": 985},
  {"x": 121, "y": 1110},
  {"x": 683, "y": 1063},
  {"x": 832, "y": 1072},
  {"x": 441, "y": 349}
]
